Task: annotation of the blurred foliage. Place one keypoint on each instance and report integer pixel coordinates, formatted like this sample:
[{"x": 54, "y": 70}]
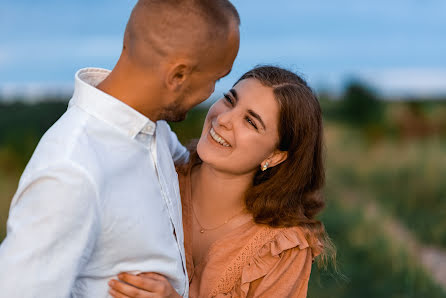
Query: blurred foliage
[
  {"x": 388, "y": 152},
  {"x": 22, "y": 125},
  {"x": 191, "y": 127},
  {"x": 359, "y": 107},
  {"x": 370, "y": 263},
  {"x": 406, "y": 177}
]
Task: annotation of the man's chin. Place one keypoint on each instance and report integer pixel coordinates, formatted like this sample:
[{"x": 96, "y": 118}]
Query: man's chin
[{"x": 174, "y": 117}]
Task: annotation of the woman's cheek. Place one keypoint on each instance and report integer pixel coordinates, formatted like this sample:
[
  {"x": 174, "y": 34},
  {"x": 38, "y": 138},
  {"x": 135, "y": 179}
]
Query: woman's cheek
[{"x": 251, "y": 148}]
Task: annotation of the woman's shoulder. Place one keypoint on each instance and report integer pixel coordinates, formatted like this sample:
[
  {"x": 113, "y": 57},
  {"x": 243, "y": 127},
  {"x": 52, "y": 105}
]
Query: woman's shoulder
[
  {"x": 267, "y": 249},
  {"x": 286, "y": 248},
  {"x": 275, "y": 241}
]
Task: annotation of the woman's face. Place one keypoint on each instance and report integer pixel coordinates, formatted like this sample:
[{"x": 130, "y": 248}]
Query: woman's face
[{"x": 241, "y": 129}]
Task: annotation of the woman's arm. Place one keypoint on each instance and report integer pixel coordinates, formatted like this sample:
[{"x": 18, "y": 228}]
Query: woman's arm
[{"x": 141, "y": 286}]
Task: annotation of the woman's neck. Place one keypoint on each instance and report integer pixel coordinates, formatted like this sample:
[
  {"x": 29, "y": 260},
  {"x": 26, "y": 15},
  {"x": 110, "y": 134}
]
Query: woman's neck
[{"x": 217, "y": 195}]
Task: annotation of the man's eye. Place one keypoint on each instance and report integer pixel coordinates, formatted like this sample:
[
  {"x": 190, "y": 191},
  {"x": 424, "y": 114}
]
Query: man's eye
[
  {"x": 251, "y": 122},
  {"x": 228, "y": 99}
]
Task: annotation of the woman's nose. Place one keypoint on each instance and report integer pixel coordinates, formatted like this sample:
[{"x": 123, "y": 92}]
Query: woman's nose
[{"x": 225, "y": 119}]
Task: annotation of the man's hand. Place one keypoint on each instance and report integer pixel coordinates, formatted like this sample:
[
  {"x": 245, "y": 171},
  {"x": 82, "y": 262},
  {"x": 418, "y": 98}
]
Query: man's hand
[{"x": 141, "y": 285}]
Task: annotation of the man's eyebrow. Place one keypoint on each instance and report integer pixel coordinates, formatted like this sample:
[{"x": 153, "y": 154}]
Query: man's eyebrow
[{"x": 257, "y": 116}]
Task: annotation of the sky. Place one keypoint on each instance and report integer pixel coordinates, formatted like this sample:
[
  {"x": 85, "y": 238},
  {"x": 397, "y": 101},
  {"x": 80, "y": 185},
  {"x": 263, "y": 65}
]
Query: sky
[{"x": 397, "y": 47}]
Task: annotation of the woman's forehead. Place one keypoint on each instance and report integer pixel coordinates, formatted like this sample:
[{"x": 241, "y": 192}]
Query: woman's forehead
[{"x": 255, "y": 96}]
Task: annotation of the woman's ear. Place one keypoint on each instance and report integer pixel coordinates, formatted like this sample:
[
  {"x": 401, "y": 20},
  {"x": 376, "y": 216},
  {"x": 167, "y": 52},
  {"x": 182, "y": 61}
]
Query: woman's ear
[
  {"x": 177, "y": 75},
  {"x": 274, "y": 159}
]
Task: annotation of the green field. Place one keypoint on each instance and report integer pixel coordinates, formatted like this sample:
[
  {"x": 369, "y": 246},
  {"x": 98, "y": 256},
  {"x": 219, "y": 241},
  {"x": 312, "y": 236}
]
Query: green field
[{"x": 386, "y": 163}]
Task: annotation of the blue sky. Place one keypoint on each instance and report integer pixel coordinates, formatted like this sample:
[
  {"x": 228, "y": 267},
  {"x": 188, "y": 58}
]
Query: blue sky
[{"x": 398, "y": 47}]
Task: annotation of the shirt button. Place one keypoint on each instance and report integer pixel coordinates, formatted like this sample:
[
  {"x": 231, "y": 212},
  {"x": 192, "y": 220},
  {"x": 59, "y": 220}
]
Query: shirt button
[{"x": 149, "y": 128}]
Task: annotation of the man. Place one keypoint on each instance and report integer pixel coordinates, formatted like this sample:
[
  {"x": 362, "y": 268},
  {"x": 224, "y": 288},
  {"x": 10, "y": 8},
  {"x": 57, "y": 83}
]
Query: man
[{"x": 100, "y": 194}]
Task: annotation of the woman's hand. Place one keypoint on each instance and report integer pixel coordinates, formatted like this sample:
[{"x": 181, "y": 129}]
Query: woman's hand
[{"x": 141, "y": 285}]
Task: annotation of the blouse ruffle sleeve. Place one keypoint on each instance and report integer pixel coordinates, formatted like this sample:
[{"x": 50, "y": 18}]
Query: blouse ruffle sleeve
[{"x": 280, "y": 268}]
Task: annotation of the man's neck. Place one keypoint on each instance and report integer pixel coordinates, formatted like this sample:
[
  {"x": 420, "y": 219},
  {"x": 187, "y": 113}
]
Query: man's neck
[{"x": 130, "y": 91}]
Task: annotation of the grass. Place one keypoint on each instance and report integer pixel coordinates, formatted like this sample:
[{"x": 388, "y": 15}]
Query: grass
[
  {"x": 405, "y": 176},
  {"x": 374, "y": 265},
  {"x": 398, "y": 178}
]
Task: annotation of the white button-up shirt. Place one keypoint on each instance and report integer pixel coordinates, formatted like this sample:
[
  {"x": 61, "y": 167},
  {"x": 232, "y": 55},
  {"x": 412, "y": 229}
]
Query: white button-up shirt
[{"x": 99, "y": 196}]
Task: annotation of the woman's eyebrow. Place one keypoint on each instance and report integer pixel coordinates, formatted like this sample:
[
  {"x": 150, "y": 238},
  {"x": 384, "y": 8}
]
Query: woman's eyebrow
[
  {"x": 250, "y": 112},
  {"x": 234, "y": 94},
  {"x": 257, "y": 116}
]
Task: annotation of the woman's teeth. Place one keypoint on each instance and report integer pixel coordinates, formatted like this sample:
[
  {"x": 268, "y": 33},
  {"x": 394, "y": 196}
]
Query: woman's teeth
[{"x": 217, "y": 138}]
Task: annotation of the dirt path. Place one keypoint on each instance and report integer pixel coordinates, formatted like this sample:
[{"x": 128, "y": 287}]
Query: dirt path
[{"x": 432, "y": 258}]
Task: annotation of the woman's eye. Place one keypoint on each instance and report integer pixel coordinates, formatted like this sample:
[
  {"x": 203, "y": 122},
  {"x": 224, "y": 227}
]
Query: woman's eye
[
  {"x": 251, "y": 122},
  {"x": 229, "y": 99}
]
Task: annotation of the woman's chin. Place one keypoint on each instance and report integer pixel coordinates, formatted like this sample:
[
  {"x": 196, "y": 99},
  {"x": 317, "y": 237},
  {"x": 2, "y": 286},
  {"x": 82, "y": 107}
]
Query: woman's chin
[{"x": 209, "y": 155}]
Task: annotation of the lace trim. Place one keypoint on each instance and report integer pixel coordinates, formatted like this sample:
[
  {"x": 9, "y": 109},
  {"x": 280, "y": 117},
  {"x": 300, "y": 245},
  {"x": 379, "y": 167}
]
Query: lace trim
[{"x": 233, "y": 272}]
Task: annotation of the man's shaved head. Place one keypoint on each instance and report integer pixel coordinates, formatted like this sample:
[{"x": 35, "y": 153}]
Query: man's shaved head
[
  {"x": 174, "y": 52},
  {"x": 158, "y": 29}
]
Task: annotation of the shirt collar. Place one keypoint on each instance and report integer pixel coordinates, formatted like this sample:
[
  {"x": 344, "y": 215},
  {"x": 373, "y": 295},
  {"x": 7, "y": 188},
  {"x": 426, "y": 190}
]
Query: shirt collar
[{"x": 105, "y": 107}]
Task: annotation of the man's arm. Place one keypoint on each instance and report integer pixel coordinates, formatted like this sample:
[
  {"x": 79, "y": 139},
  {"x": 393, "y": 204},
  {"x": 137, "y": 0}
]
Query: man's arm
[{"x": 52, "y": 225}]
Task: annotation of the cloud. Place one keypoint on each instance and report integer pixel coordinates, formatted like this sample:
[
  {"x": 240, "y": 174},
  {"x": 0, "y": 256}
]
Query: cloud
[
  {"x": 55, "y": 59},
  {"x": 51, "y": 48},
  {"x": 408, "y": 81},
  {"x": 35, "y": 91}
]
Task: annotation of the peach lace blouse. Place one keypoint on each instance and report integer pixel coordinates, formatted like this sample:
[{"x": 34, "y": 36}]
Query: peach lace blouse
[{"x": 252, "y": 261}]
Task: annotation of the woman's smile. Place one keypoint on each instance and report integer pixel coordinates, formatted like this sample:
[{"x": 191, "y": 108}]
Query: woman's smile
[{"x": 218, "y": 138}]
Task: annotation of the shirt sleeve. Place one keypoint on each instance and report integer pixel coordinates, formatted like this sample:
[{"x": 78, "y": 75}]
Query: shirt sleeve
[
  {"x": 52, "y": 225},
  {"x": 177, "y": 150},
  {"x": 287, "y": 278}
]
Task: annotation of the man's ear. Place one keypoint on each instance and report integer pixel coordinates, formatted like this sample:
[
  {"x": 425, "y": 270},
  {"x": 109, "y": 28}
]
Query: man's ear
[
  {"x": 276, "y": 158},
  {"x": 177, "y": 75}
]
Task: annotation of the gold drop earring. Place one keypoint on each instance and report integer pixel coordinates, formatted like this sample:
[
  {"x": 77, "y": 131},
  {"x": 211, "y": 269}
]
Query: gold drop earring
[{"x": 265, "y": 166}]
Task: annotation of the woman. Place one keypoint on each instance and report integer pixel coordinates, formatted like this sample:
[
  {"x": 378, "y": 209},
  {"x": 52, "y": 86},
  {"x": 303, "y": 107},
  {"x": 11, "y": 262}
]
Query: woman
[{"x": 250, "y": 192}]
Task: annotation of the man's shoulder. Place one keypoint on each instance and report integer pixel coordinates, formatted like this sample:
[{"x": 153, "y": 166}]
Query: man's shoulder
[
  {"x": 67, "y": 144},
  {"x": 66, "y": 129},
  {"x": 63, "y": 138}
]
